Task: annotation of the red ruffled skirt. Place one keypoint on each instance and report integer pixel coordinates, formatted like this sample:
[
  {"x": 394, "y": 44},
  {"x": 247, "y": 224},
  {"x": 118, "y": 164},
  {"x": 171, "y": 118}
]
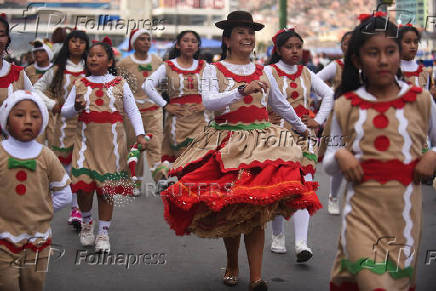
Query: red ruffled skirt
[{"x": 212, "y": 200}]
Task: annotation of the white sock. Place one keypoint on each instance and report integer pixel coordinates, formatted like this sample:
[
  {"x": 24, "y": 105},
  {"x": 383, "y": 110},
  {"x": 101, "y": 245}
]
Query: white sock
[
  {"x": 277, "y": 225},
  {"x": 335, "y": 185},
  {"x": 301, "y": 224},
  {"x": 103, "y": 227},
  {"x": 74, "y": 201},
  {"x": 87, "y": 217},
  {"x": 301, "y": 219}
]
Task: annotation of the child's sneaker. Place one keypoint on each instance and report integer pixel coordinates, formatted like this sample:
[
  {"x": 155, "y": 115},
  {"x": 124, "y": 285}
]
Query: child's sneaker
[
  {"x": 302, "y": 251},
  {"x": 87, "y": 237},
  {"x": 333, "y": 206},
  {"x": 75, "y": 218},
  {"x": 137, "y": 189},
  {"x": 102, "y": 243}
]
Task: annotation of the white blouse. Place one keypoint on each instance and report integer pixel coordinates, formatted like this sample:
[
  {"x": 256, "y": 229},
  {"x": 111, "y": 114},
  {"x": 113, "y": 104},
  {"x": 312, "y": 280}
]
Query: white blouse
[{"x": 329, "y": 71}]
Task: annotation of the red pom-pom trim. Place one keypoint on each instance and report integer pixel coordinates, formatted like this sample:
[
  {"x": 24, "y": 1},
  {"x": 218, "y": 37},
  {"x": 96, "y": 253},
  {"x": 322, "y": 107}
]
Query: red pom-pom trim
[
  {"x": 240, "y": 79},
  {"x": 382, "y": 106},
  {"x": 294, "y": 76},
  {"x": 174, "y": 68},
  {"x": 414, "y": 74},
  {"x": 112, "y": 83}
]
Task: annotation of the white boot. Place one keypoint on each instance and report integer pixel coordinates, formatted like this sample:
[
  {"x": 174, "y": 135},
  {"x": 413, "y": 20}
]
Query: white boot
[
  {"x": 333, "y": 206},
  {"x": 278, "y": 244}
]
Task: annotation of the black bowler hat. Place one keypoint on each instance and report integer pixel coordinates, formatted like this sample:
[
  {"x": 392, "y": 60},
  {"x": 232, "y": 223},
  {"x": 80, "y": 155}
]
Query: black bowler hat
[{"x": 239, "y": 18}]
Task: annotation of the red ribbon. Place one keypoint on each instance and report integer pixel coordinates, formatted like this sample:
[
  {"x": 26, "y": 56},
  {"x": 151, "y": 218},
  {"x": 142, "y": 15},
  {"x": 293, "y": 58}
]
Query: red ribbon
[
  {"x": 408, "y": 24},
  {"x": 363, "y": 17},
  {"x": 274, "y": 38},
  {"x": 106, "y": 39}
]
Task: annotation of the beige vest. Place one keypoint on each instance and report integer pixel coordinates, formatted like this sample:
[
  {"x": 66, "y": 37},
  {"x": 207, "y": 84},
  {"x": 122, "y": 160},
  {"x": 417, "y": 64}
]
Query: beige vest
[
  {"x": 97, "y": 96},
  {"x": 424, "y": 75},
  {"x": 182, "y": 82},
  {"x": 136, "y": 74},
  {"x": 33, "y": 74},
  {"x": 26, "y": 206},
  {"x": 251, "y": 108},
  {"x": 383, "y": 135},
  {"x": 296, "y": 87}
]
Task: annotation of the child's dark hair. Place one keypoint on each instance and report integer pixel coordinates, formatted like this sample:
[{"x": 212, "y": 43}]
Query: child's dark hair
[
  {"x": 175, "y": 52},
  {"x": 56, "y": 86},
  {"x": 110, "y": 54},
  {"x": 370, "y": 27},
  {"x": 6, "y": 24},
  {"x": 350, "y": 32},
  {"x": 403, "y": 29},
  {"x": 282, "y": 38}
]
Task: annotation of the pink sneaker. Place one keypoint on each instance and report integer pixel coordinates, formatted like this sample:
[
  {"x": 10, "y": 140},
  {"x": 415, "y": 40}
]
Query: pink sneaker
[{"x": 75, "y": 218}]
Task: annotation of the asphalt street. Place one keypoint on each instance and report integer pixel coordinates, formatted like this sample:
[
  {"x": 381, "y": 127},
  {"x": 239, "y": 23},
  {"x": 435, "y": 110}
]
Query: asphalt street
[{"x": 147, "y": 255}]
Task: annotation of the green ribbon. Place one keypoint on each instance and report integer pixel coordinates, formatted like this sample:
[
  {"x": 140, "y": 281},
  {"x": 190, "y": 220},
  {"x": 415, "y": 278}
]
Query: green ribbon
[
  {"x": 55, "y": 148},
  {"x": 378, "y": 268},
  {"x": 28, "y": 164},
  {"x": 145, "y": 68},
  {"x": 240, "y": 126},
  {"x": 424, "y": 150},
  {"x": 96, "y": 176},
  {"x": 183, "y": 144},
  {"x": 310, "y": 156},
  {"x": 40, "y": 72}
]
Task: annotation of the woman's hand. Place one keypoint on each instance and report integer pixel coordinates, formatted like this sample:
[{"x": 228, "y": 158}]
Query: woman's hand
[
  {"x": 175, "y": 109},
  {"x": 141, "y": 140},
  {"x": 80, "y": 103},
  {"x": 424, "y": 170},
  {"x": 349, "y": 166},
  {"x": 310, "y": 122},
  {"x": 196, "y": 107},
  {"x": 255, "y": 87}
]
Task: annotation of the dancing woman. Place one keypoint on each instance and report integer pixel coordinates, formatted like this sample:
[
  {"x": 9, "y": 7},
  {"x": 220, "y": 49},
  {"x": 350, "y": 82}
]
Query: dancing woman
[{"x": 242, "y": 170}]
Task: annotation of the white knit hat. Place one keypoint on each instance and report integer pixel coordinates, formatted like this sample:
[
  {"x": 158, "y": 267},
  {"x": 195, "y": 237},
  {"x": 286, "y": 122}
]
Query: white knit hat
[
  {"x": 46, "y": 47},
  {"x": 16, "y": 97}
]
